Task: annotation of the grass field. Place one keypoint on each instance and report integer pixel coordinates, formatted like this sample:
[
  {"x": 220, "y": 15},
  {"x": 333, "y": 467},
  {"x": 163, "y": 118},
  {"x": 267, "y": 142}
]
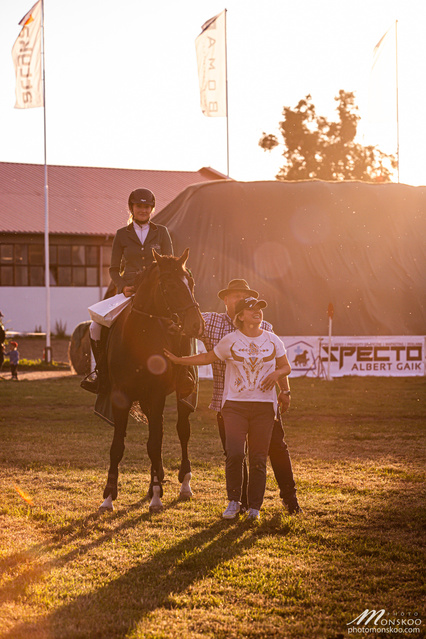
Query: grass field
[{"x": 357, "y": 446}]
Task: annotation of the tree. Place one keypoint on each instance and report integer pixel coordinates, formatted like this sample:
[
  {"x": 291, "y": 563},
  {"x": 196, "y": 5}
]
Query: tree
[{"x": 314, "y": 147}]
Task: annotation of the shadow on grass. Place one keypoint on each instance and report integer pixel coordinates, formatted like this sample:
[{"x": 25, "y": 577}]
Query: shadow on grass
[
  {"x": 116, "y": 608},
  {"x": 65, "y": 536}
]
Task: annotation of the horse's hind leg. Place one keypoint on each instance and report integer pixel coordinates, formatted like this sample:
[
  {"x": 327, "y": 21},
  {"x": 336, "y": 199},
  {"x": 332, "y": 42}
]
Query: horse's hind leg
[
  {"x": 183, "y": 428},
  {"x": 116, "y": 455}
]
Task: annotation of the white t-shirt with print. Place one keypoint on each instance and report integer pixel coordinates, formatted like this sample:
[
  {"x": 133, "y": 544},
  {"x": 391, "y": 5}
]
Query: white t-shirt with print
[{"x": 248, "y": 361}]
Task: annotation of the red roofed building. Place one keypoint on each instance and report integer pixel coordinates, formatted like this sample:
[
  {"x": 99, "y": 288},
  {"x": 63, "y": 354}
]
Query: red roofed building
[{"x": 86, "y": 207}]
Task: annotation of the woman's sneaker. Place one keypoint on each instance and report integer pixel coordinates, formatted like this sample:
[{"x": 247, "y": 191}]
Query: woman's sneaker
[
  {"x": 232, "y": 511},
  {"x": 252, "y": 513}
]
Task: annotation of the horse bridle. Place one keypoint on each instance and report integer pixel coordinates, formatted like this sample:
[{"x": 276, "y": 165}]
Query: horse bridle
[{"x": 174, "y": 319}]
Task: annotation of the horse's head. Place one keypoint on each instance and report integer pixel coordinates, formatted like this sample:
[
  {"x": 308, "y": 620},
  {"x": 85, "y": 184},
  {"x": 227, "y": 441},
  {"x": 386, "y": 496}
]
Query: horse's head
[{"x": 176, "y": 286}]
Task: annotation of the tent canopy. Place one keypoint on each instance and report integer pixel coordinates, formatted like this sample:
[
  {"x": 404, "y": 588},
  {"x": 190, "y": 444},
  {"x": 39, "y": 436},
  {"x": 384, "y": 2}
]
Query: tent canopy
[{"x": 304, "y": 245}]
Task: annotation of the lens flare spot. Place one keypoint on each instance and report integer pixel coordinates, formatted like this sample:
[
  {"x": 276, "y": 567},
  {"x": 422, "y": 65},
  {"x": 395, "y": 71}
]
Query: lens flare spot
[
  {"x": 156, "y": 364},
  {"x": 24, "y": 495}
]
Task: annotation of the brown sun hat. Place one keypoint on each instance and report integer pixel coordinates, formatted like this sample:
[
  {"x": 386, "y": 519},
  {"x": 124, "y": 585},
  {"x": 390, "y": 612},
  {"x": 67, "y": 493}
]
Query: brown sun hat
[{"x": 237, "y": 285}]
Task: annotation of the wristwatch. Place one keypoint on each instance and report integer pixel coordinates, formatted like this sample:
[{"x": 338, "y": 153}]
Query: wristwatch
[{"x": 286, "y": 393}]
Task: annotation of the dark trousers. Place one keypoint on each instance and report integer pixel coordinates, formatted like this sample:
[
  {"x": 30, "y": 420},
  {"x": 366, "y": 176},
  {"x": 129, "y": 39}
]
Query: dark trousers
[
  {"x": 278, "y": 455},
  {"x": 253, "y": 421},
  {"x": 14, "y": 371}
]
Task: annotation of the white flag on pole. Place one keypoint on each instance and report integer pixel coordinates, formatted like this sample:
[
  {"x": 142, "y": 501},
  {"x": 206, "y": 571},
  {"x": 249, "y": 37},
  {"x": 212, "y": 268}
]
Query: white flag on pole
[
  {"x": 378, "y": 49},
  {"x": 211, "y": 58},
  {"x": 382, "y": 104},
  {"x": 380, "y": 126},
  {"x": 26, "y": 54}
]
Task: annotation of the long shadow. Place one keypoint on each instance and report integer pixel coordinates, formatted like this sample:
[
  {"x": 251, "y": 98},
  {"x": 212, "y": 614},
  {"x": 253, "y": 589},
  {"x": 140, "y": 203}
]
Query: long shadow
[
  {"x": 62, "y": 537},
  {"x": 116, "y": 608},
  {"x": 74, "y": 531}
]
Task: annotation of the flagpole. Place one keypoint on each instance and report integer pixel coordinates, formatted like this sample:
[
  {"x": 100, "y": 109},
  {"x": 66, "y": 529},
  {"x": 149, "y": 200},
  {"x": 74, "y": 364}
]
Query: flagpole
[
  {"x": 226, "y": 84},
  {"x": 397, "y": 97},
  {"x": 48, "y": 349}
]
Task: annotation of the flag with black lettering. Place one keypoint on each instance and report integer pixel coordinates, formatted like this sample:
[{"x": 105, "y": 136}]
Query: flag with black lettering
[
  {"x": 211, "y": 59},
  {"x": 26, "y": 54}
]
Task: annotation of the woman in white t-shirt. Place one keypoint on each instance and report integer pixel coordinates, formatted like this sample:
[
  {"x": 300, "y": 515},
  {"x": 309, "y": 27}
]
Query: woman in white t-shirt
[{"x": 255, "y": 361}]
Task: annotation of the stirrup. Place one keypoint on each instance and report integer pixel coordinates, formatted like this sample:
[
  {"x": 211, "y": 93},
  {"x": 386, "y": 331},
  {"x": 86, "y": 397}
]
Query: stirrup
[{"x": 91, "y": 383}]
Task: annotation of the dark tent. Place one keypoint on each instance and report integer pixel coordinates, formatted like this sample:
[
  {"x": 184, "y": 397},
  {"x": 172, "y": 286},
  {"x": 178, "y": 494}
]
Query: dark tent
[{"x": 303, "y": 245}]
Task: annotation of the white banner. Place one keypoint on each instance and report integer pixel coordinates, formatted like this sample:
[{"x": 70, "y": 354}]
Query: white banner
[
  {"x": 377, "y": 356},
  {"x": 211, "y": 59},
  {"x": 26, "y": 54}
]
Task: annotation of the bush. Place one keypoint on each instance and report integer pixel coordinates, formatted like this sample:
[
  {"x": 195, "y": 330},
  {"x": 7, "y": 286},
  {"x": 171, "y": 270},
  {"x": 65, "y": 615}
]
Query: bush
[
  {"x": 60, "y": 329},
  {"x": 36, "y": 365}
]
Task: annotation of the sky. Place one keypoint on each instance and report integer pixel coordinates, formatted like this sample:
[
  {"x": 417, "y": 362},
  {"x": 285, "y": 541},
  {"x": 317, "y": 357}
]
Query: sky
[{"x": 122, "y": 85}]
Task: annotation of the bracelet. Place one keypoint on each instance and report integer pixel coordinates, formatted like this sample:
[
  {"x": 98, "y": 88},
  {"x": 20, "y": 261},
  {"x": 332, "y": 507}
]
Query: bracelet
[{"x": 286, "y": 392}]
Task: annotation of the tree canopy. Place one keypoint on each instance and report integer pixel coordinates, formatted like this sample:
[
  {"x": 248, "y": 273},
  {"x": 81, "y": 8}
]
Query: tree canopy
[{"x": 315, "y": 147}]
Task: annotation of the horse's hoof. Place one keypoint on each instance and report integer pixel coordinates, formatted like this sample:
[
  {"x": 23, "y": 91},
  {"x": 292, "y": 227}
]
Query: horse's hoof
[
  {"x": 156, "y": 505},
  {"x": 107, "y": 505},
  {"x": 185, "y": 490},
  {"x": 156, "y": 509},
  {"x": 111, "y": 488}
]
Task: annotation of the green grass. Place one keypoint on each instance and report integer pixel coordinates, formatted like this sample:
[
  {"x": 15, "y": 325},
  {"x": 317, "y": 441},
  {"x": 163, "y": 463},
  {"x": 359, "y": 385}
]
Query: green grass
[{"x": 357, "y": 446}]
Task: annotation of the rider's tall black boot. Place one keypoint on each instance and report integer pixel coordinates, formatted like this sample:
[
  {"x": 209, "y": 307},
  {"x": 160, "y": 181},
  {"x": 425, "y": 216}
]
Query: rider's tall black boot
[
  {"x": 186, "y": 376},
  {"x": 95, "y": 381}
]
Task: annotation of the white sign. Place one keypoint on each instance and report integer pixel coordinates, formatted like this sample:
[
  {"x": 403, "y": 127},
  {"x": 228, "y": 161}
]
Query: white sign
[{"x": 378, "y": 356}]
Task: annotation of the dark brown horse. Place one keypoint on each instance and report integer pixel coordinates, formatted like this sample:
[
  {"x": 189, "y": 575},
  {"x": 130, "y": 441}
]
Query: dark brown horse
[{"x": 163, "y": 309}]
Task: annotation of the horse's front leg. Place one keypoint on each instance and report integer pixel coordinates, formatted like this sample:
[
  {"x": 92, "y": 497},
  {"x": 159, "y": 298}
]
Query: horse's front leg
[
  {"x": 116, "y": 455},
  {"x": 183, "y": 428},
  {"x": 154, "y": 448}
]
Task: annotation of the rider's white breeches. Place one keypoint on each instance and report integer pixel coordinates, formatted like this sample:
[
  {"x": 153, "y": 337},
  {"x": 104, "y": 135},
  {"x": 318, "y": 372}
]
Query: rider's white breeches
[{"x": 95, "y": 331}]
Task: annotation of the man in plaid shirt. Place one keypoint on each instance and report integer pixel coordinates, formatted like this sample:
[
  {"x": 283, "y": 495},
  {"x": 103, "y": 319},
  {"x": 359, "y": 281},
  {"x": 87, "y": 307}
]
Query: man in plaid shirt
[{"x": 217, "y": 325}]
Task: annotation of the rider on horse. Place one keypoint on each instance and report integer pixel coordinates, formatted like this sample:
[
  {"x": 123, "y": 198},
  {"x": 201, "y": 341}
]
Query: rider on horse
[{"x": 132, "y": 254}]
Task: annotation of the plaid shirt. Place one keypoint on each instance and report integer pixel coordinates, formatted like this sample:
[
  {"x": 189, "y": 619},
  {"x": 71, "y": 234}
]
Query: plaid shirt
[{"x": 217, "y": 326}]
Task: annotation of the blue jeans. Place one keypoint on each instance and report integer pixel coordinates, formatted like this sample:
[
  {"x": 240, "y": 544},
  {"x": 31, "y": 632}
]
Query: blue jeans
[
  {"x": 279, "y": 456},
  {"x": 254, "y": 420}
]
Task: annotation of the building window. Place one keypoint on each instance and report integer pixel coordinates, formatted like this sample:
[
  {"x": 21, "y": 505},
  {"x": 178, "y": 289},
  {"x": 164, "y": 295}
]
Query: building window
[
  {"x": 21, "y": 254},
  {"x": 64, "y": 276},
  {"x": 92, "y": 276},
  {"x": 64, "y": 255},
  {"x": 6, "y": 253},
  {"x": 36, "y": 254},
  {"x": 70, "y": 265},
  {"x": 92, "y": 255},
  {"x": 6, "y": 274},
  {"x": 36, "y": 275},
  {"x": 78, "y": 255},
  {"x": 21, "y": 276}
]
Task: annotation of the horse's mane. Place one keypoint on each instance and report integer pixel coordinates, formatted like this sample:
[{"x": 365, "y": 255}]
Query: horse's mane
[
  {"x": 143, "y": 279},
  {"x": 168, "y": 262}
]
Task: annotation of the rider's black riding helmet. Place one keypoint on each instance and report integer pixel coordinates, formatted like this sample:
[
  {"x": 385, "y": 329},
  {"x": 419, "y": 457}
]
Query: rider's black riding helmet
[{"x": 141, "y": 196}]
